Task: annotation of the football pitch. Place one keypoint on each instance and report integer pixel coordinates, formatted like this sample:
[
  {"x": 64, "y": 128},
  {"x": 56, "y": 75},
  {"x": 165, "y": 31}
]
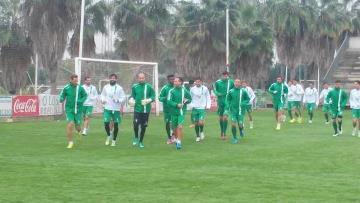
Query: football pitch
[{"x": 300, "y": 163}]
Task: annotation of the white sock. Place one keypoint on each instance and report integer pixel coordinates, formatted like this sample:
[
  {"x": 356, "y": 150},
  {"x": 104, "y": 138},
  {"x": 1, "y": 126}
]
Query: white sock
[{"x": 71, "y": 142}]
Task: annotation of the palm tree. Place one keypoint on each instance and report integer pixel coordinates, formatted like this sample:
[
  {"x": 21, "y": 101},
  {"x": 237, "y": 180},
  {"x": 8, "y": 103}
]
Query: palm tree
[
  {"x": 48, "y": 23},
  {"x": 201, "y": 49},
  {"x": 290, "y": 20},
  {"x": 332, "y": 20},
  {"x": 253, "y": 46},
  {"x": 140, "y": 25},
  {"x": 94, "y": 22},
  {"x": 15, "y": 47},
  {"x": 199, "y": 39}
]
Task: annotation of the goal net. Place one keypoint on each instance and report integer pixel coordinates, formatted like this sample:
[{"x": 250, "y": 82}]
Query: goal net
[{"x": 100, "y": 69}]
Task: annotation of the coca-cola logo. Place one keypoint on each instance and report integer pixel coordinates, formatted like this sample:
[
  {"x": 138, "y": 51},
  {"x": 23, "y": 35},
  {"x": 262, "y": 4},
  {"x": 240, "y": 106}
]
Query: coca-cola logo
[{"x": 28, "y": 106}]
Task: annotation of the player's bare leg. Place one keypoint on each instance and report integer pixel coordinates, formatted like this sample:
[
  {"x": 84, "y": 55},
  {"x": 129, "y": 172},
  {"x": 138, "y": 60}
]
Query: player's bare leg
[
  {"x": 69, "y": 134},
  {"x": 179, "y": 136},
  {"x": 225, "y": 123},
  {"x": 356, "y": 127},
  {"x": 86, "y": 125},
  {"x": 279, "y": 119},
  {"x": 251, "y": 122},
  {"x": 201, "y": 127}
]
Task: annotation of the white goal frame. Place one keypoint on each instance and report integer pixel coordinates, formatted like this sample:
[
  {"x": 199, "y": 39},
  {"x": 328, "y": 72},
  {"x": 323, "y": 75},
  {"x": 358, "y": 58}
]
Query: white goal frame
[{"x": 78, "y": 61}]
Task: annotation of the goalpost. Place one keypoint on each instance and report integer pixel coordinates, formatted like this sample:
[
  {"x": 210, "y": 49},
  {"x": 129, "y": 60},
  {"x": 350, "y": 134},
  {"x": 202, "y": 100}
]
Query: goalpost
[{"x": 99, "y": 69}]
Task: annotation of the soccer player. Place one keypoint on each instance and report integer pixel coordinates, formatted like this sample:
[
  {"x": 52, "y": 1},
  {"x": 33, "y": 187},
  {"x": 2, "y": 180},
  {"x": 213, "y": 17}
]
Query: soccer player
[
  {"x": 237, "y": 101},
  {"x": 322, "y": 98},
  {"x": 249, "y": 106},
  {"x": 311, "y": 100},
  {"x": 112, "y": 96},
  {"x": 290, "y": 99},
  {"x": 278, "y": 90},
  {"x": 142, "y": 95},
  {"x": 296, "y": 92},
  {"x": 188, "y": 87},
  {"x": 89, "y": 103},
  {"x": 177, "y": 98},
  {"x": 201, "y": 102},
  {"x": 337, "y": 99},
  {"x": 221, "y": 89},
  {"x": 355, "y": 108},
  {"x": 163, "y": 96},
  {"x": 75, "y": 95}
]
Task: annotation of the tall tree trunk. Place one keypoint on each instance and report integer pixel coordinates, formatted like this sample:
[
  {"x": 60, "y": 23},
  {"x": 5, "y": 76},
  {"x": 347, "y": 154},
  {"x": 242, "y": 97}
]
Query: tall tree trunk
[{"x": 14, "y": 62}]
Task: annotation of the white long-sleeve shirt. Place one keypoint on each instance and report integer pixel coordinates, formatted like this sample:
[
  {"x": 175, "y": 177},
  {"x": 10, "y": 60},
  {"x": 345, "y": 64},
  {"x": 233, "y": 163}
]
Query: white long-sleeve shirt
[
  {"x": 113, "y": 96},
  {"x": 355, "y": 99},
  {"x": 200, "y": 97},
  {"x": 295, "y": 92},
  {"x": 251, "y": 94},
  {"x": 324, "y": 94},
  {"x": 311, "y": 96},
  {"x": 92, "y": 95}
]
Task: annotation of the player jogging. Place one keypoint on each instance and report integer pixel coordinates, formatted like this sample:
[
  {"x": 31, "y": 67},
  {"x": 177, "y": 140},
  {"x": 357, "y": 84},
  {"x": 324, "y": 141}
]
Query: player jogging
[
  {"x": 112, "y": 96},
  {"x": 178, "y": 97},
  {"x": 89, "y": 103},
  {"x": 249, "y": 106},
  {"x": 337, "y": 99},
  {"x": 163, "y": 96},
  {"x": 322, "y": 98},
  {"x": 142, "y": 95},
  {"x": 237, "y": 101},
  {"x": 201, "y": 102},
  {"x": 355, "y": 108},
  {"x": 75, "y": 95},
  {"x": 221, "y": 89},
  {"x": 295, "y": 95},
  {"x": 311, "y": 100},
  {"x": 278, "y": 90}
]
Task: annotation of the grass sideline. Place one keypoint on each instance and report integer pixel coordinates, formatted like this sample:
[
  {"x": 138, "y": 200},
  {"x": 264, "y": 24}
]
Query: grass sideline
[{"x": 300, "y": 163}]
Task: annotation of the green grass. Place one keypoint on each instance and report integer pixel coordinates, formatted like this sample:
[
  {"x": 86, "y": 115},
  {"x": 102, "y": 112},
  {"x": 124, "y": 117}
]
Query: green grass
[{"x": 301, "y": 163}]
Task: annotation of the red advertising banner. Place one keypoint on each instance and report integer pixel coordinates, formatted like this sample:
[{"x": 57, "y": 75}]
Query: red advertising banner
[{"x": 25, "y": 106}]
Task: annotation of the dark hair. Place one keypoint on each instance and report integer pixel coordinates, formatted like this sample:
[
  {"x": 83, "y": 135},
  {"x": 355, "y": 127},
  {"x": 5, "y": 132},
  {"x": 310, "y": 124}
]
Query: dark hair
[
  {"x": 279, "y": 76},
  {"x": 197, "y": 78},
  {"x": 181, "y": 79},
  {"x": 170, "y": 76},
  {"x": 140, "y": 73},
  {"x": 325, "y": 83},
  {"x": 358, "y": 82},
  {"x": 225, "y": 73},
  {"x": 337, "y": 81},
  {"x": 86, "y": 77},
  {"x": 73, "y": 76},
  {"x": 113, "y": 75},
  {"x": 191, "y": 82}
]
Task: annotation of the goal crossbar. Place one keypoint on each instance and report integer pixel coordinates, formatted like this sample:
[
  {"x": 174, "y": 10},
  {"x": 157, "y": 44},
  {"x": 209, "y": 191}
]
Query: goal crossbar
[{"x": 78, "y": 61}]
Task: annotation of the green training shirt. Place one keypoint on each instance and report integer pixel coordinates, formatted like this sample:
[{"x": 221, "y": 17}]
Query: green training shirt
[
  {"x": 69, "y": 94},
  {"x": 178, "y": 95},
  {"x": 278, "y": 92},
  {"x": 164, "y": 93},
  {"x": 337, "y": 98},
  {"x": 236, "y": 99},
  {"x": 139, "y": 92},
  {"x": 222, "y": 88}
]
